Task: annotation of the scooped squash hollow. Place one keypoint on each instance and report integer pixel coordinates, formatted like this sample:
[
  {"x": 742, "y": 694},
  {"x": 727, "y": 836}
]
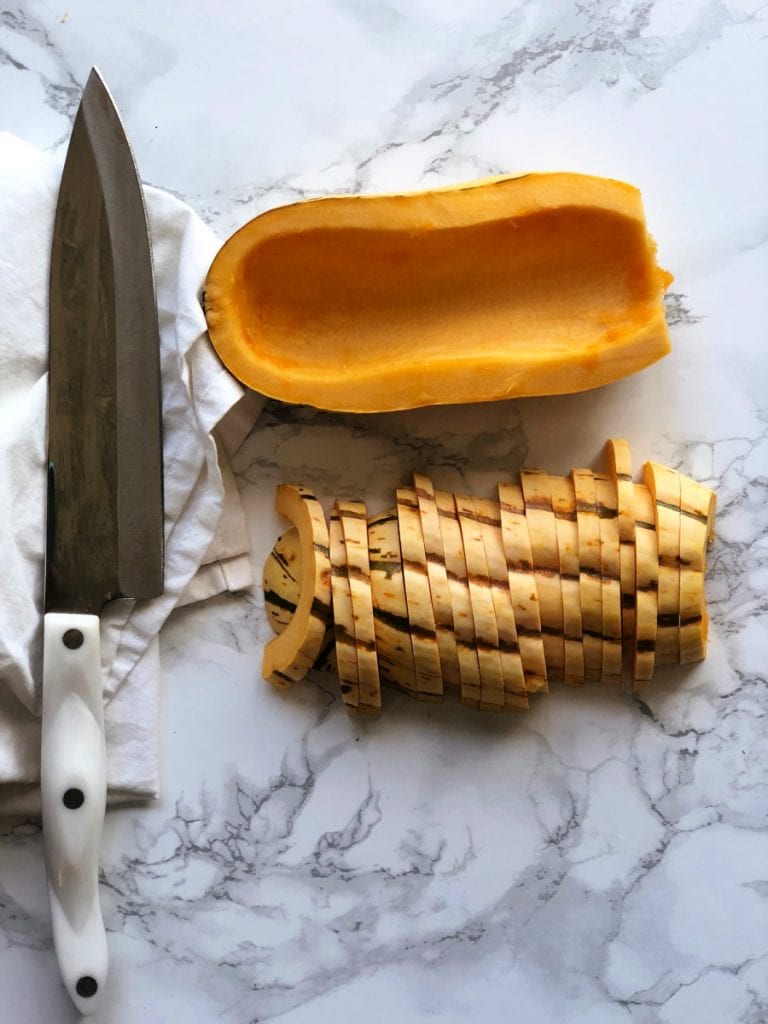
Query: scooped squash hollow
[{"x": 506, "y": 287}]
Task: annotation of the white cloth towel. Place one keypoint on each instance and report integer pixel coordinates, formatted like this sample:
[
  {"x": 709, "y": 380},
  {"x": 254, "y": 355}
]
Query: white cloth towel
[{"x": 206, "y": 540}]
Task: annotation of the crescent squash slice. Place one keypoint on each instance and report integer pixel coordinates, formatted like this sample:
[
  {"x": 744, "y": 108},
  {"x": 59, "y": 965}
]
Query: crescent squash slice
[
  {"x": 293, "y": 652},
  {"x": 533, "y": 285},
  {"x": 281, "y": 580}
]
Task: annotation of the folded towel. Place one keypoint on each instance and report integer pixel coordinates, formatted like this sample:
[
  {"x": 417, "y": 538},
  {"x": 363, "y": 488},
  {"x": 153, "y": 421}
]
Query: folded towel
[{"x": 206, "y": 541}]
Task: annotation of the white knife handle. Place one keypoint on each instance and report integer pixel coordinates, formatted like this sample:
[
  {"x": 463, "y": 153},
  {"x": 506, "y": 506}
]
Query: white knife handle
[{"x": 73, "y": 789}]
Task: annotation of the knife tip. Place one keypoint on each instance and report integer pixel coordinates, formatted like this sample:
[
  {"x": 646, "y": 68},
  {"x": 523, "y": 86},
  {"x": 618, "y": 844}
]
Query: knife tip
[
  {"x": 96, "y": 78},
  {"x": 96, "y": 86}
]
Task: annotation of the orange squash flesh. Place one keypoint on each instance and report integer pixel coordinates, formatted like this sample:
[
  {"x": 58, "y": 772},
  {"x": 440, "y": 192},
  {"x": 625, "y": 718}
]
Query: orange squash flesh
[{"x": 535, "y": 285}]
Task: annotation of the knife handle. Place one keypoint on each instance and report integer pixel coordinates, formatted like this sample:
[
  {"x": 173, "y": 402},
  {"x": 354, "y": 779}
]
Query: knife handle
[{"x": 73, "y": 791}]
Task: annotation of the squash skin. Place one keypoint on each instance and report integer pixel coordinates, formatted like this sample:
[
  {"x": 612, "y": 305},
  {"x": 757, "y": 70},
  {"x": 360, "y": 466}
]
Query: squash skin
[{"x": 506, "y": 287}]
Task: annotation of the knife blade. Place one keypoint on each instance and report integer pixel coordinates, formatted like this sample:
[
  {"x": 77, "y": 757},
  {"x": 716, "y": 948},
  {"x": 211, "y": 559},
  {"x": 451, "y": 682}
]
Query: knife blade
[{"x": 105, "y": 503}]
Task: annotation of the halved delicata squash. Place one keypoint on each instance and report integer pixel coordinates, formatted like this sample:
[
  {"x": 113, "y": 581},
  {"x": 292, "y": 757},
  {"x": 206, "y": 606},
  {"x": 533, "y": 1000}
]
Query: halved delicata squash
[{"x": 505, "y": 287}]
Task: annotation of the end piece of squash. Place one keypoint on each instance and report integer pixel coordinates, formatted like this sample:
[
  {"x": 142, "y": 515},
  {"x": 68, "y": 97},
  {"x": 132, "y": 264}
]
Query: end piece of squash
[
  {"x": 507, "y": 287},
  {"x": 295, "y": 650}
]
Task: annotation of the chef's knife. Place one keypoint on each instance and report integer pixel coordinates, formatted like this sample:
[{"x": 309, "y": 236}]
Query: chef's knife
[{"x": 105, "y": 502}]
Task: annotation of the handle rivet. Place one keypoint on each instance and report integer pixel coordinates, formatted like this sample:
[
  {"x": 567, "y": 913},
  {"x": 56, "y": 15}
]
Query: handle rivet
[
  {"x": 73, "y": 798},
  {"x": 73, "y": 639},
  {"x": 86, "y": 987}
]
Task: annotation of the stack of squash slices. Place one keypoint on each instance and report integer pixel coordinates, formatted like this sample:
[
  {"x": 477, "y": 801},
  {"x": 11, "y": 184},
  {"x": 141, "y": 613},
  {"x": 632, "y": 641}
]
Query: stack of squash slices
[{"x": 589, "y": 577}]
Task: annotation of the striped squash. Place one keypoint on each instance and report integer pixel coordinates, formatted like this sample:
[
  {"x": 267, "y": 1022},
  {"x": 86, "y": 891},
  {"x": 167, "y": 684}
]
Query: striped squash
[{"x": 490, "y": 599}]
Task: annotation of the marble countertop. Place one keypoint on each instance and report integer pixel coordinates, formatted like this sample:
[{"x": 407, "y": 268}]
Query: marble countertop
[{"x": 602, "y": 859}]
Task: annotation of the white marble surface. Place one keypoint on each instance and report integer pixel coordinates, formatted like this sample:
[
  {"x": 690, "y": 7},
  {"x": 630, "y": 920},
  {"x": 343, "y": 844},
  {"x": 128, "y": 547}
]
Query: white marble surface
[{"x": 602, "y": 859}]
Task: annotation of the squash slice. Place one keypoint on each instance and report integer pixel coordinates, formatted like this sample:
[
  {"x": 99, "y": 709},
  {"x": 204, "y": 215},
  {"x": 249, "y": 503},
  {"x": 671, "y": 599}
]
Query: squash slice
[
  {"x": 566, "y": 524},
  {"x": 438, "y": 580},
  {"x": 590, "y": 580},
  {"x": 693, "y": 617},
  {"x": 354, "y": 525},
  {"x": 522, "y": 585},
  {"x": 697, "y": 517},
  {"x": 390, "y": 609},
  {"x": 646, "y": 586},
  {"x": 697, "y": 510},
  {"x": 610, "y": 573},
  {"x": 537, "y": 497},
  {"x": 534, "y": 285},
  {"x": 664, "y": 485},
  {"x": 291, "y": 654},
  {"x": 343, "y": 617},
  {"x": 281, "y": 580},
  {"x": 620, "y": 467},
  {"x": 463, "y": 618},
  {"x": 426, "y": 654},
  {"x": 487, "y": 513},
  {"x": 483, "y": 612}
]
